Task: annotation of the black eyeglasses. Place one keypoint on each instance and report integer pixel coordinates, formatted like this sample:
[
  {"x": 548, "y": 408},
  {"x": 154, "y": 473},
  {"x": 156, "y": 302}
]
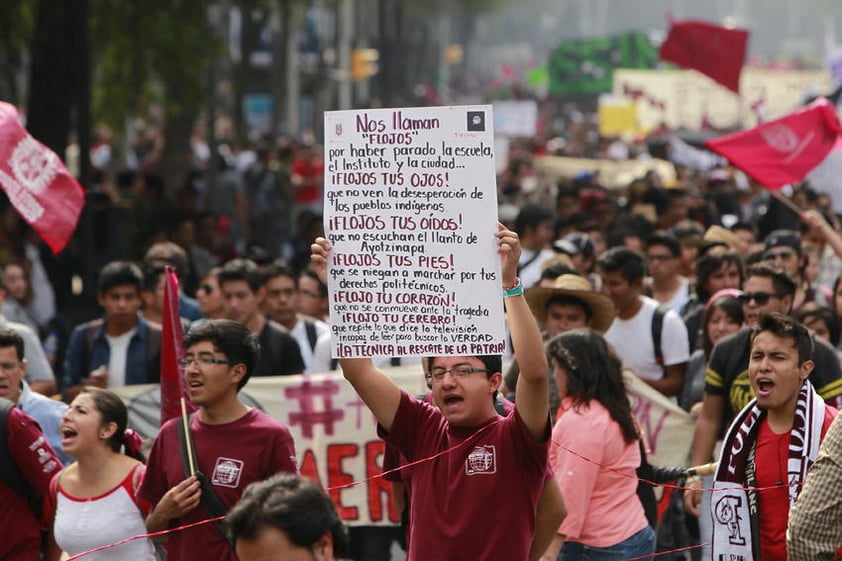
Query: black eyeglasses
[
  {"x": 460, "y": 371},
  {"x": 206, "y": 288},
  {"x": 760, "y": 297},
  {"x": 202, "y": 360}
]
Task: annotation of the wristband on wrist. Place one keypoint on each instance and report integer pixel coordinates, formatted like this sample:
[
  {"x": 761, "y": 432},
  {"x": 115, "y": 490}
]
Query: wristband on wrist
[{"x": 514, "y": 290}]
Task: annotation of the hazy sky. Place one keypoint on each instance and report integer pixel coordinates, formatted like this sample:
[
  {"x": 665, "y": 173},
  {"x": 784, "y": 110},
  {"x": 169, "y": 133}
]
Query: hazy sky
[{"x": 778, "y": 27}]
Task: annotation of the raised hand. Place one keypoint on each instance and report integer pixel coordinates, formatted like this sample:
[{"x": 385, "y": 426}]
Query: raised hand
[
  {"x": 319, "y": 250},
  {"x": 508, "y": 245}
]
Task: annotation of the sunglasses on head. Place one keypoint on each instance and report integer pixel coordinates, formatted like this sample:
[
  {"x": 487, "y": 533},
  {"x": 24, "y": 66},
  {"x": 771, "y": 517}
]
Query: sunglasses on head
[{"x": 760, "y": 297}]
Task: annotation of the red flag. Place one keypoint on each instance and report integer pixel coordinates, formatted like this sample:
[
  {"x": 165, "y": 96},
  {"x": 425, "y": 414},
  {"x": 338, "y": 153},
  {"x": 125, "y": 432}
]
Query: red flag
[
  {"x": 38, "y": 185},
  {"x": 715, "y": 51},
  {"x": 172, "y": 350},
  {"x": 785, "y": 150}
]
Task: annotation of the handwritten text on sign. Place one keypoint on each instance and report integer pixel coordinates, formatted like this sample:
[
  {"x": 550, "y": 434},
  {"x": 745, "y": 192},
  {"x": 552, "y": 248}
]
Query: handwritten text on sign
[{"x": 410, "y": 208}]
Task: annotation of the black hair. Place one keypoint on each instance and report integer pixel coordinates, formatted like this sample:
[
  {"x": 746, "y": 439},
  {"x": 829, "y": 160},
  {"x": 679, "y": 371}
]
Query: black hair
[
  {"x": 11, "y": 338},
  {"x": 812, "y": 311},
  {"x": 119, "y": 273},
  {"x": 781, "y": 325},
  {"x": 112, "y": 410},
  {"x": 732, "y": 307},
  {"x": 555, "y": 270},
  {"x": 532, "y": 215},
  {"x": 152, "y": 272},
  {"x": 169, "y": 253},
  {"x": 293, "y": 504},
  {"x": 593, "y": 372},
  {"x": 665, "y": 239},
  {"x": 629, "y": 263},
  {"x": 241, "y": 270},
  {"x": 782, "y": 283},
  {"x": 231, "y": 338},
  {"x": 567, "y": 300},
  {"x": 708, "y": 264},
  {"x": 310, "y": 273},
  {"x": 277, "y": 268}
]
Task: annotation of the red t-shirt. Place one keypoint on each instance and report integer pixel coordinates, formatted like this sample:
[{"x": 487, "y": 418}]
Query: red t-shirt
[
  {"x": 312, "y": 176},
  {"x": 231, "y": 456},
  {"x": 477, "y": 501},
  {"x": 771, "y": 456},
  {"x": 32, "y": 454}
]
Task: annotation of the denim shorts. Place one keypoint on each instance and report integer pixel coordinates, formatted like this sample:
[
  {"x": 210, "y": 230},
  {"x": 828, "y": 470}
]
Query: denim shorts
[{"x": 638, "y": 546}]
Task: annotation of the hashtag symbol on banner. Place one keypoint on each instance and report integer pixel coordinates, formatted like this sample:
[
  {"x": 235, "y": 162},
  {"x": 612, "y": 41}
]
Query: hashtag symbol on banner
[{"x": 307, "y": 416}]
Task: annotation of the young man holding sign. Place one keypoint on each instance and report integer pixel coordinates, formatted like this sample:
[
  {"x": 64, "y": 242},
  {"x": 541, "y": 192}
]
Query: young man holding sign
[{"x": 470, "y": 460}]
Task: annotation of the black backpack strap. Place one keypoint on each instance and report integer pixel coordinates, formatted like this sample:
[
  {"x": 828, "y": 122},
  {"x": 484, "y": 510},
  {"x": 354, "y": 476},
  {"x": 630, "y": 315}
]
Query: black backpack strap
[
  {"x": 522, "y": 266},
  {"x": 210, "y": 501},
  {"x": 657, "y": 331},
  {"x": 310, "y": 329},
  {"x": 10, "y": 474},
  {"x": 153, "y": 354}
]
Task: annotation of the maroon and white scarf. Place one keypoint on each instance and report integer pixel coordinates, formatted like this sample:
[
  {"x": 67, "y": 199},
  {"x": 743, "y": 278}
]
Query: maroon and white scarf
[{"x": 734, "y": 508}]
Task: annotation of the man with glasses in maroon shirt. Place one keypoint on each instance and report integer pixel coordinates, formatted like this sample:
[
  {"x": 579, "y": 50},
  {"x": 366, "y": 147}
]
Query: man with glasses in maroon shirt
[
  {"x": 234, "y": 444},
  {"x": 469, "y": 449}
]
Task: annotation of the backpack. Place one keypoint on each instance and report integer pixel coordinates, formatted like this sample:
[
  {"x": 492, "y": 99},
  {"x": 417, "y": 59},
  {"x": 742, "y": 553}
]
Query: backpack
[
  {"x": 310, "y": 329},
  {"x": 9, "y": 472},
  {"x": 657, "y": 330}
]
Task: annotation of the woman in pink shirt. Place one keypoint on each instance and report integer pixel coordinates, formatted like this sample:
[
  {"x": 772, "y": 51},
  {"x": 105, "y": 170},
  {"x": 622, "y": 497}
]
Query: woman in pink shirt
[{"x": 594, "y": 454}]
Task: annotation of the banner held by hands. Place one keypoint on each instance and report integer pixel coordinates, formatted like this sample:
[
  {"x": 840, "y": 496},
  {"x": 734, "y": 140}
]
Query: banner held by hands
[{"x": 38, "y": 185}]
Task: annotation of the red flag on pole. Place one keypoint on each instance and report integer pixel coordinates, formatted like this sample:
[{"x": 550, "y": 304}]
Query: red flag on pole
[
  {"x": 172, "y": 373},
  {"x": 715, "y": 51},
  {"x": 38, "y": 185},
  {"x": 783, "y": 151}
]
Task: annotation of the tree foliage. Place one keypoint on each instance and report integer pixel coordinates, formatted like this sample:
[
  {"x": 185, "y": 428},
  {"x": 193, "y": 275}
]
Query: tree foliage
[{"x": 150, "y": 52}]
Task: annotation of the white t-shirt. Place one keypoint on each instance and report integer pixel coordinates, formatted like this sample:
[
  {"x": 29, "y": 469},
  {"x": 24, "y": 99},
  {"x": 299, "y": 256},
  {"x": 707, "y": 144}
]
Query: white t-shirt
[
  {"x": 299, "y": 331},
  {"x": 632, "y": 341},
  {"x": 531, "y": 273},
  {"x": 119, "y": 349},
  {"x": 322, "y": 361},
  {"x": 680, "y": 298}
]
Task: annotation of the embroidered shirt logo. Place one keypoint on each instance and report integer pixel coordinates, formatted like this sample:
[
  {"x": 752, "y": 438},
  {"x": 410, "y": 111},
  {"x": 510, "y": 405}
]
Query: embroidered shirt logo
[
  {"x": 227, "y": 472},
  {"x": 481, "y": 460},
  {"x": 726, "y": 512}
]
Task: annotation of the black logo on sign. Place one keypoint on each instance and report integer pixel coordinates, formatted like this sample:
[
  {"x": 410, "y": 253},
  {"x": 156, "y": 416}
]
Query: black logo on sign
[{"x": 476, "y": 121}]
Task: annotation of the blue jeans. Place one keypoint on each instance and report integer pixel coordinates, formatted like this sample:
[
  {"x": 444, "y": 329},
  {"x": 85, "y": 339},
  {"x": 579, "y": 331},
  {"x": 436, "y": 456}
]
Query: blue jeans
[{"x": 637, "y": 547}]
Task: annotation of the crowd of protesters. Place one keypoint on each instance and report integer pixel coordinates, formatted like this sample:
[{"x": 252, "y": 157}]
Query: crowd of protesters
[{"x": 708, "y": 257}]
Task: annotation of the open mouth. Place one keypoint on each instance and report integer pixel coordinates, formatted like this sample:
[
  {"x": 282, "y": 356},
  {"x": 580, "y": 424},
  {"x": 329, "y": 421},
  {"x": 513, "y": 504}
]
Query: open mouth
[
  {"x": 67, "y": 435},
  {"x": 764, "y": 386},
  {"x": 452, "y": 401}
]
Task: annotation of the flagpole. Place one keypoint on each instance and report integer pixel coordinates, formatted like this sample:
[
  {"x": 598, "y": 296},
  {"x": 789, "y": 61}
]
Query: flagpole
[
  {"x": 187, "y": 440},
  {"x": 787, "y": 202}
]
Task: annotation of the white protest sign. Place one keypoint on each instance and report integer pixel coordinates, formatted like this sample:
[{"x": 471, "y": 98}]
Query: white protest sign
[
  {"x": 411, "y": 212},
  {"x": 516, "y": 118}
]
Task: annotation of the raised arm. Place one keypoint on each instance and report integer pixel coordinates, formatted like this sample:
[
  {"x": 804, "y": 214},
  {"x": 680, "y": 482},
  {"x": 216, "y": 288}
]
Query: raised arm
[
  {"x": 375, "y": 388},
  {"x": 532, "y": 396},
  {"x": 828, "y": 232}
]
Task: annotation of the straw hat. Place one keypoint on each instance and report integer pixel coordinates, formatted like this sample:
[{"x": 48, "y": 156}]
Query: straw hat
[
  {"x": 600, "y": 306},
  {"x": 718, "y": 234}
]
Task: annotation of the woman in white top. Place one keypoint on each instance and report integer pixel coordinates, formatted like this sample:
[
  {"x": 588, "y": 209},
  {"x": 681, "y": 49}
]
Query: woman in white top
[{"x": 94, "y": 498}]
